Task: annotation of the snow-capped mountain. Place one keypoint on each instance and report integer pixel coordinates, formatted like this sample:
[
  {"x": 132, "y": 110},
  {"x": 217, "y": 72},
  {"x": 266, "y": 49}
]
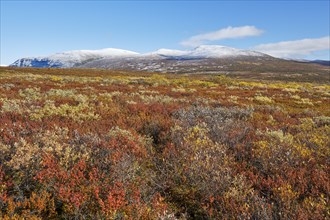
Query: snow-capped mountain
[
  {"x": 165, "y": 60},
  {"x": 215, "y": 51},
  {"x": 168, "y": 53},
  {"x": 205, "y": 51},
  {"x": 73, "y": 58},
  {"x": 202, "y": 58},
  {"x": 211, "y": 59}
]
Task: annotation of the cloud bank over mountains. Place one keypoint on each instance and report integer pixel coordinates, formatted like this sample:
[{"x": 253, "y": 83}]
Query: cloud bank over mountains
[{"x": 296, "y": 48}]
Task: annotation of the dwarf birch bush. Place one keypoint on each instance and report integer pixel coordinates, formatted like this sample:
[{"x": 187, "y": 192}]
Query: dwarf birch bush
[
  {"x": 79, "y": 113},
  {"x": 14, "y": 105},
  {"x": 198, "y": 169},
  {"x": 263, "y": 99}
]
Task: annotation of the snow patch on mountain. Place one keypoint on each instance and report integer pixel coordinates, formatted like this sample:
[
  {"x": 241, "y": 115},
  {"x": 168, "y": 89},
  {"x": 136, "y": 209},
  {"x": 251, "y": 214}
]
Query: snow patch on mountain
[
  {"x": 72, "y": 58},
  {"x": 216, "y": 51},
  {"x": 81, "y": 55},
  {"x": 204, "y": 51},
  {"x": 169, "y": 52}
]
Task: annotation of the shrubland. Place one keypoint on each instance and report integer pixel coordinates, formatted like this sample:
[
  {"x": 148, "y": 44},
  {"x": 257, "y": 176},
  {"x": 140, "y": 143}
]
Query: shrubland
[{"x": 97, "y": 144}]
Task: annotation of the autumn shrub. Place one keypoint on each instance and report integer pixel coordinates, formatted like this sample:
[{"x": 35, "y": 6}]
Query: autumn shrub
[
  {"x": 197, "y": 169},
  {"x": 221, "y": 122},
  {"x": 157, "y": 79},
  {"x": 263, "y": 99},
  {"x": 11, "y": 105},
  {"x": 224, "y": 80},
  {"x": 80, "y": 112},
  {"x": 290, "y": 158},
  {"x": 30, "y": 94},
  {"x": 80, "y": 176},
  {"x": 92, "y": 144}
]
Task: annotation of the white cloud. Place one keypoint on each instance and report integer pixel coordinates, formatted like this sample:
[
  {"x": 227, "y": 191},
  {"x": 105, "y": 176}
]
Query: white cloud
[
  {"x": 225, "y": 33},
  {"x": 296, "y": 48}
]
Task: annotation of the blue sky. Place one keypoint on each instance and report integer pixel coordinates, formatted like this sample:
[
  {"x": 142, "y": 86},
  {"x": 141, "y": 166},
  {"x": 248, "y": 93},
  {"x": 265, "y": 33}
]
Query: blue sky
[{"x": 297, "y": 29}]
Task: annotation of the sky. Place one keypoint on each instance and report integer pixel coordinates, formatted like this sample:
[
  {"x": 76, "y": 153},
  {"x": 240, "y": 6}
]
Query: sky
[{"x": 289, "y": 29}]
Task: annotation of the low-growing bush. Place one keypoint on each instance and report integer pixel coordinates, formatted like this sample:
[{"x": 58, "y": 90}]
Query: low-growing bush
[
  {"x": 197, "y": 171},
  {"x": 92, "y": 144}
]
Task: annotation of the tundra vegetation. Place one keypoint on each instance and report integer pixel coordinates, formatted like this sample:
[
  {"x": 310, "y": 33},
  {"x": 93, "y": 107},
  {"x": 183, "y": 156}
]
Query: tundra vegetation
[{"x": 98, "y": 144}]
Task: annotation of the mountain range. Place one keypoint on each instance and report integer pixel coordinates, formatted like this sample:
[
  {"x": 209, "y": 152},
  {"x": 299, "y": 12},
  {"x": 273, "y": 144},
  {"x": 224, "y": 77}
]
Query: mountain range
[
  {"x": 204, "y": 58},
  {"x": 78, "y": 58}
]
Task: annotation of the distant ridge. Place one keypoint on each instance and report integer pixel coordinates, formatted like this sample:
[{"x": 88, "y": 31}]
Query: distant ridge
[
  {"x": 72, "y": 58},
  {"x": 206, "y": 51},
  {"x": 321, "y": 62},
  {"x": 78, "y": 57},
  {"x": 213, "y": 59}
]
